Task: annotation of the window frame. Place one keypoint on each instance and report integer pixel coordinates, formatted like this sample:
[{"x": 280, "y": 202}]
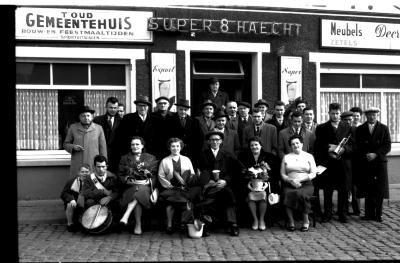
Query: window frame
[
  {"x": 382, "y": 64},
  {"x": 127, "y": 57}
]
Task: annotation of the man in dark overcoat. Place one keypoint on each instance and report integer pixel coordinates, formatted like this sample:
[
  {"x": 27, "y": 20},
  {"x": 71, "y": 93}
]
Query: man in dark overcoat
[
  {"x": 110, "y": 122},
  {"x": 185, "y": 128},
  {"x": 373, "y": 144},
  {"x": 218, "y": 97},
  {"x": 138, "y": 123},
  {"x": 338, "y": 173},
  {"x": 218, "y": 187}
]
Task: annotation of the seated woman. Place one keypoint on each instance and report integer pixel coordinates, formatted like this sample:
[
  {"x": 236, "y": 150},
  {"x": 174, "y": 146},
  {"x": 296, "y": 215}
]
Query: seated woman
[
  {"x": 176, "y": 175},
  {"x": 73, "y": 202},
  {"x": 136, "y": 171},
  {"x": 297, "y": 170},
  {"x": 255, "y": 158}
]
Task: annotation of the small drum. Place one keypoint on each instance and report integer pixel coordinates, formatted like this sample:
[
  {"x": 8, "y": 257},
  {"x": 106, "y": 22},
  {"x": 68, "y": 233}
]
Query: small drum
[{"x": 96, "y": 219}]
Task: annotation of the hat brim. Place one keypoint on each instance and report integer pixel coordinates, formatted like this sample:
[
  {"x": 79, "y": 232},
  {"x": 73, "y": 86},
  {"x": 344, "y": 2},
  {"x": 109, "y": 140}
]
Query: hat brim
[
  {"x": 143, "y": 102},
  {"x": 209, "y": 104},
  {"x": 371, "y": 111},
  {"x": 209, "y": 134},
  {"x": 182, "y": 105},
  {"x": 220, "y": 116},
  {"x": 261, "y": 103}
]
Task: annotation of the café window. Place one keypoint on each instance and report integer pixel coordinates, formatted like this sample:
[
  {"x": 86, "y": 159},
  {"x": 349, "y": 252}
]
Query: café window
[
  {"x": 49, "y": 94},
  {"x": 363, "y": 86}
]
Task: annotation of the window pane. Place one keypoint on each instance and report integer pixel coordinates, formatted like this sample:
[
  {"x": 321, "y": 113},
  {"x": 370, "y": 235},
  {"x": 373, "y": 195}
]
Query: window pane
[
  {"x": 348, "y": 100},
  {"x": 108, "y": 74},
  {"x": 381, "y": 81},
  {"x": 33, "y": 73},
  {"x": 97, "y": 99},
  {"x": 393, "y": 115},
  {"x": 340, "y": 80},
  {"x": 217, "y": 66},
  {"x": 37, "y": 120},
  {"x": 70, "y": 74}
]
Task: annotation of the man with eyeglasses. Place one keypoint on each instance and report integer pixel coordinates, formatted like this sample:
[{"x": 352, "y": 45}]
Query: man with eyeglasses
[{"x": 217, "y": 170}]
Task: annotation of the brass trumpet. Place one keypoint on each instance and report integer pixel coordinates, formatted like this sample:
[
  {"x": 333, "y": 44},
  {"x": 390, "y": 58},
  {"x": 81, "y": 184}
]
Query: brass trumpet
[{"x": 338, "y": 150}]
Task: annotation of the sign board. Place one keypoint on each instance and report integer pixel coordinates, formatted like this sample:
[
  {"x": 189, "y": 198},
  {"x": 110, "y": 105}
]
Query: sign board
[
  {"x": 291, "y": 78},
  {"x": 82, "y": 25},
  {"x": 163, "y": 74},
  {"x": 356, "y": 34}
]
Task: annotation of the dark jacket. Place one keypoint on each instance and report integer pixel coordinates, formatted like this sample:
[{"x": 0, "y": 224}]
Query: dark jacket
[
  {"x": 90, "y": 191},
  {"x": 220, "y": 99},
  {"x": 339, "y": 172},
  {"x": 162, "y": 126},
  {"x": 278, "y": 126},
  {"x": 132, "y": 125},
  {"x": 110, "y": 135},
  {"x": 67, "y": 195},
  {"x": 374, "y": 175}
]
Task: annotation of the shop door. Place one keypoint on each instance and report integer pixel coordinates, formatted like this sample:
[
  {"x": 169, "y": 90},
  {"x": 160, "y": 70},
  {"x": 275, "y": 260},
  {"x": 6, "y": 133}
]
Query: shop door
[{"x": 232, "y": 70}]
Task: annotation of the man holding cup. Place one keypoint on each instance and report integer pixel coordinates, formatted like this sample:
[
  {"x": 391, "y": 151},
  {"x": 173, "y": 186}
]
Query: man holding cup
[{"x": 217, "y": 169}]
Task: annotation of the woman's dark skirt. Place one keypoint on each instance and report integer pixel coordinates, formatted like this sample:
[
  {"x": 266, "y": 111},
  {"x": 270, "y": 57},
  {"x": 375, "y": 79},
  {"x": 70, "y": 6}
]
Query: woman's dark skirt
[
  {"x": 298, "y": 198},
  {"x": 139, "y": 192}
]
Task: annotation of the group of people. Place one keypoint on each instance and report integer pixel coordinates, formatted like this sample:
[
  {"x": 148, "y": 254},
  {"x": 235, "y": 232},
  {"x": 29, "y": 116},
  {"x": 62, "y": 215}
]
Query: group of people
[{"x": 225, "y": 163}]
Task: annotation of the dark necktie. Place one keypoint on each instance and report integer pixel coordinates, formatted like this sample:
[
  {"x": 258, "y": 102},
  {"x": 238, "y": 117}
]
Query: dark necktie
[
  {"x": 109, "y": 122},
  {"x": 183, "y": 122},
  {"x": 257, "y": 130}
]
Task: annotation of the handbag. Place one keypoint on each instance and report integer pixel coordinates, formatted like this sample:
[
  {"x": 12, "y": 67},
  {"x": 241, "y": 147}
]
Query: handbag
[
  {"x": 272, "y": 197},
  {"x": 154, "y": 193}
]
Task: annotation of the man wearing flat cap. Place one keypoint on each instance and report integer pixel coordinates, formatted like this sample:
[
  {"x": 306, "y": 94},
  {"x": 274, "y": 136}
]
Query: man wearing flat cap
[
  {"x": 85, "y": 139},
  {"x": 373, "y": 144},
  {"x": 218, "y": 97},
  {"x": 138, "y": 123},
  {"x": 217, "y": 171}
]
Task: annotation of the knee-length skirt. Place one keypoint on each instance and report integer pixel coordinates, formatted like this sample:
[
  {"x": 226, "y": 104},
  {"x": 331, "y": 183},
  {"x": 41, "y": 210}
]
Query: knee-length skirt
[
  {"x": 298, "y": 198},
  {"x": 139, "y": 192}
]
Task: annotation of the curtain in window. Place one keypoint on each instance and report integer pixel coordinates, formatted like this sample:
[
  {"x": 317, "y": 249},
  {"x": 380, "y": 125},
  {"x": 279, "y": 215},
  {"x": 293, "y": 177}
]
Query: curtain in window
[
  {"x": 37, "y": 119},
  {"x": 348, "y": 100},
  {"x": 393, "y": 115},
  {"x": 97, "y": 99}
]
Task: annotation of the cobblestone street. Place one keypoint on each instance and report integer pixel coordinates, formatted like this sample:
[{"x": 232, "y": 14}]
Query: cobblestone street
[{"x": 356, "y": 240}]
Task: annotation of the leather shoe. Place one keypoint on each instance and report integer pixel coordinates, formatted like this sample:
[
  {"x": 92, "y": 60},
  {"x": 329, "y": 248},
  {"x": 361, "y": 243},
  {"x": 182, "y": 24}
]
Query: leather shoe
[
  {"x": 304, "y": 228},
  {"x": 342, "y": 219},
  {"x": 378, "y": 219},
  {"x": 206, "y": 232},
  {"x": 290, "y": 228},
  {"x": 72, "y": 228},
  {"x": 234, "y": 231},
  {"x": 169, "y": 230}
]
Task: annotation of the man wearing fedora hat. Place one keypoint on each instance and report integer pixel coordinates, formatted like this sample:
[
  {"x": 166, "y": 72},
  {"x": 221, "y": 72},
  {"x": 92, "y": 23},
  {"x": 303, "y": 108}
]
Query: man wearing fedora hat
[
  {"x": 162, "y": 121},
  {"x": 85, "y": 139},
  {"x": 138, "y": 123},
  {"x": 217, "y": 171},
  {"x": 218, "y": 97},
  {"x": 184, "y": 127},
  {"x": 373, "y": 144},
  {"x": 245, "y": 118},
  {"x": 205, "y": 121},
  {"x": 263, "y": 106},
  {"x": 231, "y": 141}
]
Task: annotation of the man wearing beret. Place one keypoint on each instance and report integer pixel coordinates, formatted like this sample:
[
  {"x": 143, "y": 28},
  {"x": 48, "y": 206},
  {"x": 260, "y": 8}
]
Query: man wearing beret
[
  {"x": 217, "y": 171},
  {"x": 219, "y": 98},
  {"x": 373, "y": 144},
  {"x": 85, "y": 139}
]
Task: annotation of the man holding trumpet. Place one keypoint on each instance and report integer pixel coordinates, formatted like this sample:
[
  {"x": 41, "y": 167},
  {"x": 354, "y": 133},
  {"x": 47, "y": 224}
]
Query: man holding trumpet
[{"x": 333, "y": 149}]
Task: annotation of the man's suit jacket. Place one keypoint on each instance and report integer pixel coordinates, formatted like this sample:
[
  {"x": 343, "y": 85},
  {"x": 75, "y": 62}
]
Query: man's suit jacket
[
  {"x": 132, "y": 125},
  {"x": 110, "y": 135},
  {"x": 267, "y": 134},
  {"x": 373, "y": 174},
  {"x": 242, "y": 126},
  {"x": 231, "y": 142},
  {"x": 202, "y": 125},
  {"x": 233, "y": 123},
  {"x": 162, "y": 132},
  {"x": 221, "y": 98},
  {"x": 284, "y": 135},
  {"x": 278, "y": 126}
]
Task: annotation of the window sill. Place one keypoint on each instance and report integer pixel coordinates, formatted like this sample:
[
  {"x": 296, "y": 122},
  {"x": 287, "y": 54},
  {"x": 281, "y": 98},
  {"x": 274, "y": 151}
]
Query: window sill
[
  {"x": 43, "y": 158},
  {"x": 395, "y": 149}
]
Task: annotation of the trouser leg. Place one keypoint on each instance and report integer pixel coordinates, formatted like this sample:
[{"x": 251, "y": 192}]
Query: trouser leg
[
  {"x": 328, "y": 202},
  {"x": 370, "y": 207},
  {"x": 231, "y": 214},
  {"x": 342, "y": 200},
  {"x": 378, "y": 206}
]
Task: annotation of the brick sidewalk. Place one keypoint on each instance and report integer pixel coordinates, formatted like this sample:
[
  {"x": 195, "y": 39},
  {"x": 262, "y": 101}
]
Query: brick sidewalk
[{"x": 356, "y": 240}]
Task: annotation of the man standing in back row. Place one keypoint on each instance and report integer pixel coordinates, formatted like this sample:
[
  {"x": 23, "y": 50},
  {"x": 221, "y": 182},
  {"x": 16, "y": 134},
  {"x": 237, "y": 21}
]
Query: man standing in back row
[
  {"x": 219, "y": 98},
  {"x": 373, "y": 145}
]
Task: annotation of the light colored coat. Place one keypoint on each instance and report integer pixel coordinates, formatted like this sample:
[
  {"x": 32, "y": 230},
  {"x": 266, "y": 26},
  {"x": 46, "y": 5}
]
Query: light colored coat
[
  {"x": 165, "y": 171},
  {"x": 92, "y": 139}
]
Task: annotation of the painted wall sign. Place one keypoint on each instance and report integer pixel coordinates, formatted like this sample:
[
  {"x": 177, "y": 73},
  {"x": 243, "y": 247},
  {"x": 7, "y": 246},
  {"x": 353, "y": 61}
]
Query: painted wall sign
[
  {"x": 163, "y": 74},
  {"x": 82, "y": 25},
  {"x": 224, "y": 26},
  {"x": 356, "y": 34},
  {"x": 291, "y": 78}
]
